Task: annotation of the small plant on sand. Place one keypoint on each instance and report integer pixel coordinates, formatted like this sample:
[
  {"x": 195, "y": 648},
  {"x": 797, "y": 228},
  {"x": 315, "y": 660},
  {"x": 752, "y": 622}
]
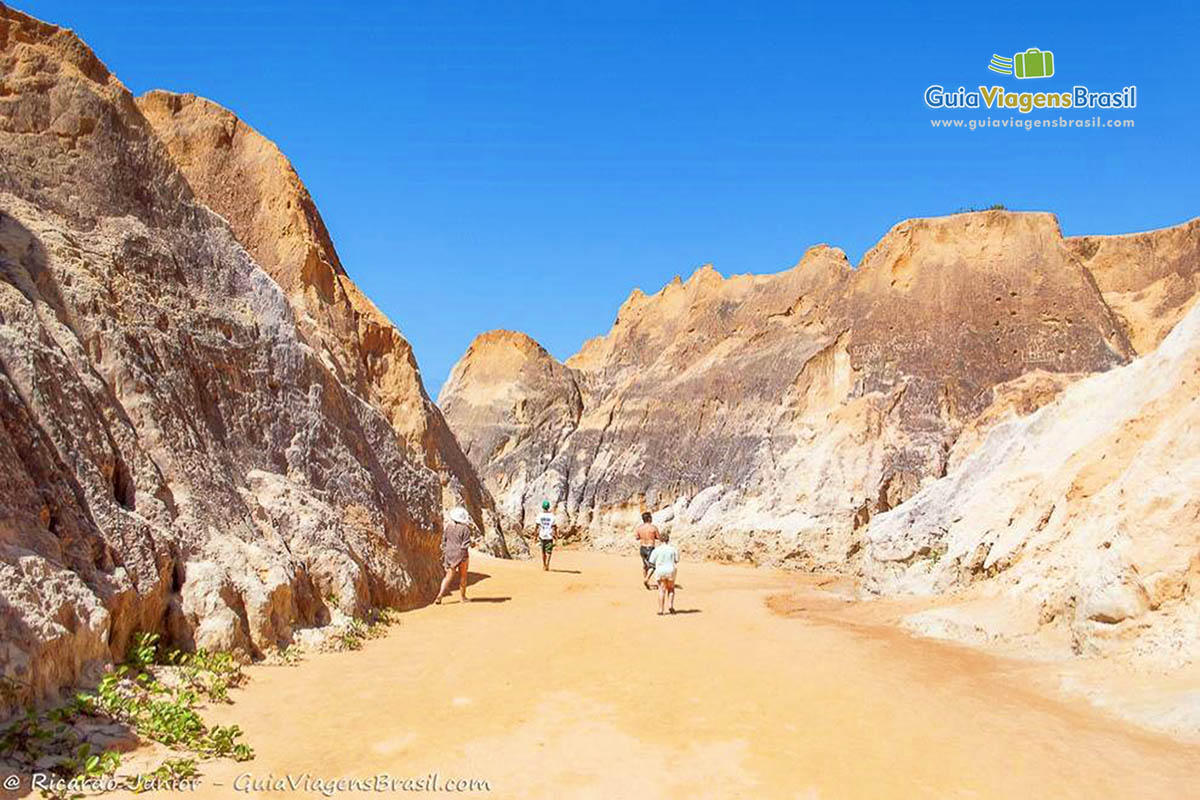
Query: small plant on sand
[
  {"x": 357, "y": 631},
  {"x": 351, "y": 637},
  {"x": 167, "y": 774},
  {"x": 221, "y": 741},
  {"x": 172, "y": 769},
  {"x": 211, "y": 674},
  {"x": 86, "y": 764},
  {"x": 143, "y": 651},
  {"x": 379, "y": 620},
  {"x": 290, "y": 655}
]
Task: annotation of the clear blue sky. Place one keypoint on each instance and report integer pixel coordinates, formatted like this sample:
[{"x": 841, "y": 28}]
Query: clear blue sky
[{"x": 525, "y": 165}]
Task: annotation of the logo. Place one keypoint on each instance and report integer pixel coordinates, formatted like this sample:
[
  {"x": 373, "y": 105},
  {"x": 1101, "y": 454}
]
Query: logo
[{"x": 1033, "y": 63}]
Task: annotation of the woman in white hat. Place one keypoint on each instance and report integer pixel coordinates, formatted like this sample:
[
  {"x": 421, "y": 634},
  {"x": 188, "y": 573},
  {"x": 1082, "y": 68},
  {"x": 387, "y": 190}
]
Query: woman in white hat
[{"x": 456, "y": 539}]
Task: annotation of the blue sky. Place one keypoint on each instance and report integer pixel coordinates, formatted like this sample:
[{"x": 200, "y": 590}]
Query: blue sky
[{"x": 525, "y": 165}]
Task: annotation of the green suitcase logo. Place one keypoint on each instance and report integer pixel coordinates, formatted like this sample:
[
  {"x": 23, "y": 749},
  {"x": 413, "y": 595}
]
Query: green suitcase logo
[{"x": 1033, "y": 63}]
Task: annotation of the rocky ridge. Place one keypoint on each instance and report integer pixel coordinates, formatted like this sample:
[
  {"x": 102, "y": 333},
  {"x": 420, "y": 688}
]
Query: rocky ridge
[{"x": 770, "y": 417}]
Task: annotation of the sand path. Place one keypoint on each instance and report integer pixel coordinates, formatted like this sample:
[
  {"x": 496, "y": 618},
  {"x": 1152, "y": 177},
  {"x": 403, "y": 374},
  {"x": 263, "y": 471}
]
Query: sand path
[{"x": 566, "y": 684}]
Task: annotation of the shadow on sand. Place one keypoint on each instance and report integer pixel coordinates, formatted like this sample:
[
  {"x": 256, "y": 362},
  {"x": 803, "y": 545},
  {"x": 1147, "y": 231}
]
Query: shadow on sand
[
  {"x": 488, "y": 599},
  {"x": 475, "y": 577},
  {"x": 568, "y": 571}
]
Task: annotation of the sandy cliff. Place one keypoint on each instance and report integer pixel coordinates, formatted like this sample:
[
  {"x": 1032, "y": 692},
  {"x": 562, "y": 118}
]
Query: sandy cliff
[
  {"x": 769, "y": 417},
  {"x": 1149, "y": 279},
  {"x": 244, "y": 177},
  {"x": 204, "y": 430},
  {"x": 1079, "y": 522}
]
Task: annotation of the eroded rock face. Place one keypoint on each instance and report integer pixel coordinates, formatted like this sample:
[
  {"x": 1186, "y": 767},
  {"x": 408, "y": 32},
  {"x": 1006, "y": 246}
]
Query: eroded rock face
[
  {"x": 1149, "y": 279},
  {"x": 512, "y": 391},
  {"x": 770, "y": 417},
  {"x": 1082, "y": 518},
  {"x": 244, "y": 177},
  {"x": 184, "y": 446}
]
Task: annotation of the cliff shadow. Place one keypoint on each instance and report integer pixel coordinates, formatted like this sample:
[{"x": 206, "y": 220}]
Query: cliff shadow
[{"x": 25, "y": 265}]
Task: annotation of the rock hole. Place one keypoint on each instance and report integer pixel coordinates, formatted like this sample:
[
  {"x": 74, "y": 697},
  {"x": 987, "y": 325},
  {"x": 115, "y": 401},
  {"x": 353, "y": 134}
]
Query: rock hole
[
  {"x": 123, "y": 488},
  {"x": 103, "y": 559}
]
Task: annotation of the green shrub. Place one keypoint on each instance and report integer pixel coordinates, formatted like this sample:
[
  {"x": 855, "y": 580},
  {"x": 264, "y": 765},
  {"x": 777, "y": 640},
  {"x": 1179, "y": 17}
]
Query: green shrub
[{"x": 161, "y": 710}]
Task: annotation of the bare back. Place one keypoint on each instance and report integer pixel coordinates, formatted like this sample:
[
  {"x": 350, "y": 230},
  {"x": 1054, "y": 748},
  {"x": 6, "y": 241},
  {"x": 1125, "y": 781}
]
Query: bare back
[{"x": 647, "y": 534}]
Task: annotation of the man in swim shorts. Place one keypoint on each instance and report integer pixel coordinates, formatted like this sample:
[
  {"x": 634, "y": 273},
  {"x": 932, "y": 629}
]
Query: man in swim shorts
[{"x": 647, "y": 536}]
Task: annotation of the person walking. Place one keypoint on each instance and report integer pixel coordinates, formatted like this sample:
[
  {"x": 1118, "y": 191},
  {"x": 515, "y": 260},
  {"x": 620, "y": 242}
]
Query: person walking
[
  {"x": 456, "y": 541},
  {"x": 647, "y": 537},
  {"x": 665, "y": 560},
  {"x": 547, "y": 529}
]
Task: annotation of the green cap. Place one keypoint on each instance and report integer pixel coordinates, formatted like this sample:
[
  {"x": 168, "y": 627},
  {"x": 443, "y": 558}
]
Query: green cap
[{"x": 545, "y": 505}]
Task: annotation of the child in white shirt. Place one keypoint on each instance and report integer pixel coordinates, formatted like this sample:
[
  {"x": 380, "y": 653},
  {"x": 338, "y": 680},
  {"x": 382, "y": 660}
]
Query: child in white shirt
[{"x": 665, "y": 560}]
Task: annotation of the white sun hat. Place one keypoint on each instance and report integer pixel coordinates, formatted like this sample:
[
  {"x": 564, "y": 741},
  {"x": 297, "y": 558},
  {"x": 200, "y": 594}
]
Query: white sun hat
[{"x": 460, "y": 515}]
